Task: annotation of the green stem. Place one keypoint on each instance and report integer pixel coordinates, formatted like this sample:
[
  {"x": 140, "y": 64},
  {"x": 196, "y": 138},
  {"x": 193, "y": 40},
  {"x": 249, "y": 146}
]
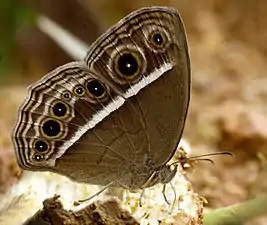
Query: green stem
[{"x": 237, "y": 214}]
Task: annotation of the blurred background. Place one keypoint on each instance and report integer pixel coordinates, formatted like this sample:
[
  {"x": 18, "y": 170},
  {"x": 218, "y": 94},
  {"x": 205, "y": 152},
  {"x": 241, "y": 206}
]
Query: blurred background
[{"x": 227, "y": 41}]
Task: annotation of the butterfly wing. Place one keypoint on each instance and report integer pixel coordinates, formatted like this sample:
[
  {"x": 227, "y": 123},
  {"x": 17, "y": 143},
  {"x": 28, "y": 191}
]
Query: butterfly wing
[
  {"x": 145, "y": 57},
  {"x": 118, "y": 117},
  {"x": 59, "y": 109}
]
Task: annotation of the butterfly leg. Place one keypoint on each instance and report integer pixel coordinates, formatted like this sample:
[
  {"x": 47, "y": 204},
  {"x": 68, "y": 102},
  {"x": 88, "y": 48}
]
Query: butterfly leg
[
  {"x": 164, "y": 194},
  {"x": 93, "y": 196},
  {"x": 141, "y": 197}
]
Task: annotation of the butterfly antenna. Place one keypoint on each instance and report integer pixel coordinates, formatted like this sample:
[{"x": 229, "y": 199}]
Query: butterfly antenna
[
  {"x": 200, "y": 157},
  {"x": 212, "y": 154}
]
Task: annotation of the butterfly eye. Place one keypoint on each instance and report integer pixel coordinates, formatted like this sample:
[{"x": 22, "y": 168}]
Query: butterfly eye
[
  {"x": 51, "y": 128},
  {"x": 79, "y": 90},
  {"x": 66, "y": 95},
  {"x": 159, "y": 40},
  {"x": 96, "y": 88},
  {"x": 41, "y": 146},
  {"x": 60, "y": 109},
  {"x": 129, "y": 64}
]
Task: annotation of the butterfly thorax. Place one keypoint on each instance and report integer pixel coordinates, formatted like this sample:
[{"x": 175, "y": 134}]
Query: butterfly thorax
[
  {"x": 152, "y": 176},
  {"x": 162, "y": 175}
]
